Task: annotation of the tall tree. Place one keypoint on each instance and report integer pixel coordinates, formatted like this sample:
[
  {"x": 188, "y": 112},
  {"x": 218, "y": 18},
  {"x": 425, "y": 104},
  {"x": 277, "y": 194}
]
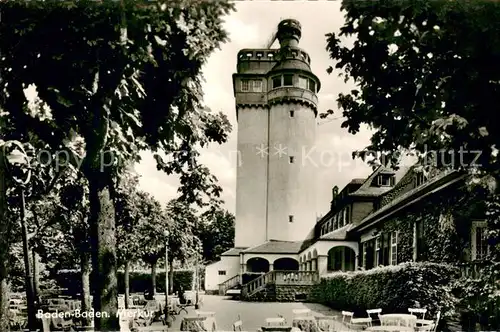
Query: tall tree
[
  {"x": 216, "y": 234},
  {"x": 427, "y": 79},
  {"x": 128, "y": 78}
]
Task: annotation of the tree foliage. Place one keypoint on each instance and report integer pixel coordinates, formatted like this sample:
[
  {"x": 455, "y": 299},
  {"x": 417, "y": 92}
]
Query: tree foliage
[
  {"x": 118, "y": 77},
  {"x": 217, "y": 234},
  {"x": 426, "y": 79}
]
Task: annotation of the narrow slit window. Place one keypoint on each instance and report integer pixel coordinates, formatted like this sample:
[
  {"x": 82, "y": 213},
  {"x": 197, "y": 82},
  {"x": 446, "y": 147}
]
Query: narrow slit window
[
  {"x": 290, "y": 218},
  {"x": 292, "y": 159},
  {"x": 292, "y": 113}
]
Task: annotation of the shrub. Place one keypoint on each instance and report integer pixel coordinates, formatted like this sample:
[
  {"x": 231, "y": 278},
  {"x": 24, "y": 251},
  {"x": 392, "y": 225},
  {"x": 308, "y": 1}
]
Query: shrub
[
  {"x": 139, "y": 281},
  {"x": 394, "y": 289}
]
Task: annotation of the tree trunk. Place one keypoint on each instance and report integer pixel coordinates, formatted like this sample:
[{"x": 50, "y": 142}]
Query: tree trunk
[
  {"x": 126, "y": 277},
  {"x": 85, "y": 274},
  {"x": 36, "y": 277},
  {"x": 171, "y": 277},
  {"x": 4, "y": 249},
  {"x": 153, "y": 280},
  {"x": 103, "y": 248}
]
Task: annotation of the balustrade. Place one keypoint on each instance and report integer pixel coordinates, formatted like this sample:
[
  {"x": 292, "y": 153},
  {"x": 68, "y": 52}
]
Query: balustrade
[{"x": 280, "y": 278}]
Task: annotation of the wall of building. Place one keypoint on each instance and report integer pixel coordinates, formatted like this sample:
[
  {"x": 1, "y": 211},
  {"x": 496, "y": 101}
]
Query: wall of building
[
  {"x": 251, "y": 183},
  {"x": 292, "y": 190},
  {"x": 360, "y": 210},
  {"x": 230, "y": 264}
]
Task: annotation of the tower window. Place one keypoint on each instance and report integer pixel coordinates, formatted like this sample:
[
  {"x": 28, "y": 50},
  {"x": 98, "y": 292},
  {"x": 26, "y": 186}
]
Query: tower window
[
  {"x": 292, "y": 113},
  {"x": 257, "y": 86},
  {"x": 245, "y": 85},
  {"x": 276, "y": 82},
  {"x": 290, "y": 218},
  {"x": 288, "y": 80},
  {"x": 312, "y": 85},
  {"x": 222, "y": 272},
  {"x": 292, "y": 159}
]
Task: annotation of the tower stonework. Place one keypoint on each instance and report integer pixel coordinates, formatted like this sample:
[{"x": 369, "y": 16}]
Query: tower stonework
[{"x": 276, "y": 108}]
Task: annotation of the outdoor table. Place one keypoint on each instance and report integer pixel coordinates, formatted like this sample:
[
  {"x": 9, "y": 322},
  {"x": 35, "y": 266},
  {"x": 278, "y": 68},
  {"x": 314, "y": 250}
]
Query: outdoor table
[
  {"x": 398, "y": 319},
  {"x": 390, "y": 329},
  {"x": 196, "y": 323},
  {"x": 305, "y": 323}
]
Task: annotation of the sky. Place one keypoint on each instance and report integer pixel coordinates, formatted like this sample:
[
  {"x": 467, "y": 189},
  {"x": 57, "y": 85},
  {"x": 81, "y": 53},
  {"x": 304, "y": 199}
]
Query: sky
[{"x": 251, "y": 27}]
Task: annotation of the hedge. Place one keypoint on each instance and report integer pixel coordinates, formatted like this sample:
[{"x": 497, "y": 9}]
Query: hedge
[
  {"x": 139, "y": 281},
  {"x": 394, "y": 289}
]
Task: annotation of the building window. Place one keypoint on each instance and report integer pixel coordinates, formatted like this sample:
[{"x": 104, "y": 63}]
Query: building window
[
  {"x": 394, "y": 248},
  {"x": 292, "y": 113},
  {"x": 384, "y": 181},
  {"x": 291, "y": 159},
  {"x": 419, "y": 245},
  {"x": 377, "y": 252},
  {"x": 347, "y": 215},
  {"x": 336, "y": 222},
  {"x": 479, "y": 241},
  {"x": 330, "y": 226},
  {"x": 287, "y": 80},
  {"x": 421, "y": 179},
  {"x": 370, "y": 254},
  {"x": 290, "y": 218},
  {"x": 312, "y": 85},
  {"x": 245, "y": 85},
  {"x": 341, "y": 222},
  {"x": 276, "y": 82},
  {"x": 385, "y": 251},
  {"x": 302, "y": 82},
  {"x": 222, "y": 272},
  {"x": 257, "y": 86}
]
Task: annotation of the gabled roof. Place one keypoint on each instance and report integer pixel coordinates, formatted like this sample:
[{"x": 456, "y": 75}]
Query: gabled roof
[
  {"x": 233, "y": 252},
  {"x": 275, "y": 247},
  {"x": 366, "y": 189},
  {"x": 436, "y": 183}
]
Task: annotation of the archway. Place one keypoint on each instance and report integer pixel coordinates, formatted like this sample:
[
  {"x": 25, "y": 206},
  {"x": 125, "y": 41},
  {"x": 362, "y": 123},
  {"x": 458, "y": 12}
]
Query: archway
[
  {"x": 286, "y": 264},
  {"x": 341, "y": 259},
  {"x": 257, "y": 264}
]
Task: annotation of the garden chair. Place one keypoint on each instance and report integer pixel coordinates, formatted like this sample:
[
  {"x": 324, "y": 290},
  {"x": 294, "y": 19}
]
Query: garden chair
[
  {"x": 429, "y": 325},
  {"x": 238, "y": 324},
  {"x": 376, "y": 314},
  {"x": 326, "y": 323},
  {"x": 416, "y": 312},
  {"x": 355, "y": 323}
]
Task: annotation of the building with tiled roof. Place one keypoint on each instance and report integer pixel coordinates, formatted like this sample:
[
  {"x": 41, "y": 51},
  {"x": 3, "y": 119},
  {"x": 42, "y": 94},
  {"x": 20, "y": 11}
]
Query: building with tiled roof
[{"x": 277, "y": 230}]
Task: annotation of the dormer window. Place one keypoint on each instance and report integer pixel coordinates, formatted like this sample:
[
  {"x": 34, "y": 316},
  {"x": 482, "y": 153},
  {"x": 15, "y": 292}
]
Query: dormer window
[
  {"x": 421, "y": 179},
  {"x": 385, "y": 180}
]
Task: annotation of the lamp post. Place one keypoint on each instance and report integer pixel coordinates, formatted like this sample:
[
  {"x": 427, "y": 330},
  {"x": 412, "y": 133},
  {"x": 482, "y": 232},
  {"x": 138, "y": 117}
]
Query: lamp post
[
  {"x": 167, "y": 233},
  {"x": 30, "y": 296}
]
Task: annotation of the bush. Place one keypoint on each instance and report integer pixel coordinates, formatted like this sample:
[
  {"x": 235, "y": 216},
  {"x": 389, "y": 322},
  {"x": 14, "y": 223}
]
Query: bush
[
  {"x": 139, "y": 281},
  {"x": 394, "y": 289}
]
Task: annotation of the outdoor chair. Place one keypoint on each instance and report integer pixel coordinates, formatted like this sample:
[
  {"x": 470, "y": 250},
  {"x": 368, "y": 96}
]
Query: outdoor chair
[
  {"x": 326, "y": 323},
  {"x": 429, "y": 325},
  {"x": 355, "y": 323},
  {"x": 416, "y": 312},
  {"x": 376, "y": 314},
  {"x": 237, "y": 326}
]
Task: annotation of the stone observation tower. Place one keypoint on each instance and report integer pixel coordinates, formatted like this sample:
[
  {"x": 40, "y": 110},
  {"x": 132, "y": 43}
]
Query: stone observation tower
[{"x": 276, "y": 108}]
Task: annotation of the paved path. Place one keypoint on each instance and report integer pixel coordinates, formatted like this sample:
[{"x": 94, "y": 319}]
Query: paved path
[{"x": 253, "y": 314}]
